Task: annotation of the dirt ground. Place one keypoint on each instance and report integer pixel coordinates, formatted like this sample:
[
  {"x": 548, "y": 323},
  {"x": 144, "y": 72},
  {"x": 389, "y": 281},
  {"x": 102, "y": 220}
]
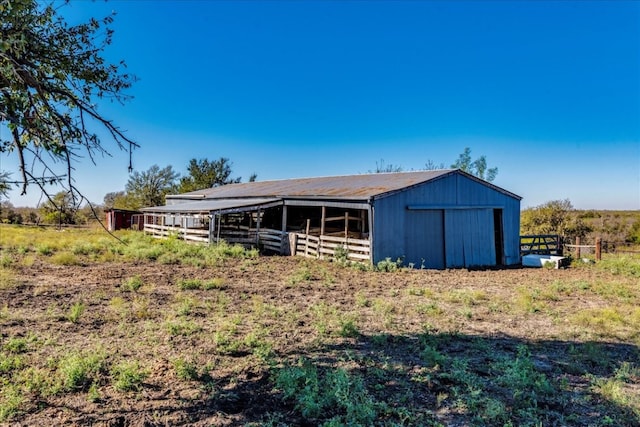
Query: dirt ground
[{"x": 279, "y": 309}]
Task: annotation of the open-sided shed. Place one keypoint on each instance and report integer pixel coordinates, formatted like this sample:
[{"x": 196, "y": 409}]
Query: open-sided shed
[{"x": 431, "y": 219}]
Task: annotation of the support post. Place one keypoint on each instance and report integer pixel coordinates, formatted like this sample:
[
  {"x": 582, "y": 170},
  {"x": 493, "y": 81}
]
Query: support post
[
  {"x": 212, "y": 227},
  {"x": 578, "y": 247},
  {"x": 598, "y": 248},
  {"x": 293, "y": 243},
  {"x": 284, "y": 218},
  {"x": 346, "y": 224},
  {"x": 258, "y": 229},
  {"x": 306, "y": 244},
  {"x": 322, "y": 220},
  {"x": 218, "y": 228}
]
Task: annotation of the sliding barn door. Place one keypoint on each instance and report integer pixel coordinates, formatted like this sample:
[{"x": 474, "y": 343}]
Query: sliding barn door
[{"x": 469, "y": 238}]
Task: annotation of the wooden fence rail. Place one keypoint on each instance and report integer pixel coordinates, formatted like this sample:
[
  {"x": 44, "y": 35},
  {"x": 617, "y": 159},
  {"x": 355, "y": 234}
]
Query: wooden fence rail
[
  {"x": 328, "y": 247},
  {"x": 189, "y": 234},
  {"x": 578, "y": 248},
  {"x": 309, "y": 246}
]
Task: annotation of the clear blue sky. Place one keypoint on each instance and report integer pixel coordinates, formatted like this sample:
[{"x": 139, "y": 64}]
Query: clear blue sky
[{"x": 548, "y": 91}]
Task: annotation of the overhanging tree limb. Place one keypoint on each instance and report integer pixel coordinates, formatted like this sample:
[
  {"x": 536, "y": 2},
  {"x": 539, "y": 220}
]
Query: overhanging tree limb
[{"x": 51, "y": 76}]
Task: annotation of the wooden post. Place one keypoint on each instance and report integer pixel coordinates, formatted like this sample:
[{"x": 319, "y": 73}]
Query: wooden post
[
  {"x": 578, "y": 247},
  {"x": 293, "y": 243},
  {"x": 324, "y": 216},
  {"x": 212, "y": 227},
  {"x": 346, "y": 224},
  {"x": 284, "y": 218},
  {"x": 219, "y": 215},
  {"x": 257, "y": 228},
  {"x": 306, "y": 241},
  {"x": 598, "y": 248}
]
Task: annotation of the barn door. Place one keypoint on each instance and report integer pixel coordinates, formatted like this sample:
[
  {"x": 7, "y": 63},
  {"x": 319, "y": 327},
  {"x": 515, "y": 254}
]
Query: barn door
[
  {"x": 424, "y": 241},
  {"x": 469, "y": 238}
]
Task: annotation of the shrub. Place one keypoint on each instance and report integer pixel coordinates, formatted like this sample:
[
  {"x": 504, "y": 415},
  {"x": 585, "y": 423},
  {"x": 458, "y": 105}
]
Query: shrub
[{"x": 387, "y": 265}]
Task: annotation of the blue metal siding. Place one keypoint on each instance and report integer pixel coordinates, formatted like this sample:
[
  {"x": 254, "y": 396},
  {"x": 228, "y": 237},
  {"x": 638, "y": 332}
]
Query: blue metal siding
[
  {"x": 511, "y": 231},
  {"x": 469, "y": 238},
  {"x": 468, "y": 233},
  {"x": 424, "y": 241}
]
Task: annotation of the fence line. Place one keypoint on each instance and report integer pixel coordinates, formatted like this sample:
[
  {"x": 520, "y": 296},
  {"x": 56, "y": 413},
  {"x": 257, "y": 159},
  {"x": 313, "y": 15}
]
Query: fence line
[
  {"x": 310, "y": 246},
  {"x": 189, "y": 234}
]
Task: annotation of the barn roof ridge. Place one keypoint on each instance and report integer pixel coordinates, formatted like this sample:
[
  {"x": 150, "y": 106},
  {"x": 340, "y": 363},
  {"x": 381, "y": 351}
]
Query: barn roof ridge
[{"x": 339, "y": 186}]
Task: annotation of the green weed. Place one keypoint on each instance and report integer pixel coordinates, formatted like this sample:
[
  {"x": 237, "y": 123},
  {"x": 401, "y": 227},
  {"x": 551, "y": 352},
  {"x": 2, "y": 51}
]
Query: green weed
[
  {"x": 16, "y": 345},
  {"x": 185, "y": 369},
  {"x": 337, "y": 396},
  {"x": 131, "y": 284},
  {"x": 128, "y": 376},
  {"x": 11, "y": 400},
  {"x": 189, "y": 284},
  {"x": 75, "y": 311},
  {"x": 389, "y": 266},
  {"x": 80, "y": 369},
  {"x": 182, "y": 327}
]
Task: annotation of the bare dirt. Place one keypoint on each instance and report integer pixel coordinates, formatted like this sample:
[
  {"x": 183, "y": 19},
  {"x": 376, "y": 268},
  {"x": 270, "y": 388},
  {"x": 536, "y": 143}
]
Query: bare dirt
[{"x": 278, "y": 309}]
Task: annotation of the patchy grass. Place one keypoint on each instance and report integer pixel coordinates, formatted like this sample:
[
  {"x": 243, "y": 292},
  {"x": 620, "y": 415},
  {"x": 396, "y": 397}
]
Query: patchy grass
[{"x": 185, "y": 334}]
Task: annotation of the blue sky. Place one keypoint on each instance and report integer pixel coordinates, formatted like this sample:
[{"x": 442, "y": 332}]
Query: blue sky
[{"x": 548, "y": 91}]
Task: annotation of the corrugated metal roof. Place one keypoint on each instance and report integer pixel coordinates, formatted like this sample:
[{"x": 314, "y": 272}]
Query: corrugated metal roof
[
  {"x": 206, "y": 206},
  {"x": 349, "y": 187}
]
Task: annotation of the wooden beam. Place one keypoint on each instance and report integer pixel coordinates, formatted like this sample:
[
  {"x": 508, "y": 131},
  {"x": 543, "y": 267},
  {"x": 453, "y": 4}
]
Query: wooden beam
[{"x": 284, "y": 218}]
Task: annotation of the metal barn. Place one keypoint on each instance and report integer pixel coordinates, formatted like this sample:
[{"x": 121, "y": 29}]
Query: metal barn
[{"x": 429, "y": 219}]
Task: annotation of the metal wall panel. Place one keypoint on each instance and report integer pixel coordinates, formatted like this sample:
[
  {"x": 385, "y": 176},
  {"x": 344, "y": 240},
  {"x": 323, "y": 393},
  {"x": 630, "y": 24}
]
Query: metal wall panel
[
  {"x": 469, "y": 238},
  {"x": 424, "y": 239}
]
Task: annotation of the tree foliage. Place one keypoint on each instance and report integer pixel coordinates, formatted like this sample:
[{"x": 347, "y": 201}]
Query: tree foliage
[
  {"x": 121, "y": 200},
  {"x": 61, "y": 209},
  {"x": 52, "y": 75},
  {"x": 553, "y": 217},
  {"x": 476, "y": 167},
  {"x": 206, "y": 174},
  {"x": 148, "y": 188}
]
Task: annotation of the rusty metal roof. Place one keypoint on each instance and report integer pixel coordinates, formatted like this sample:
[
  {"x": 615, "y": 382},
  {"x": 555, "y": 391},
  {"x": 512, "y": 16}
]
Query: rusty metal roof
[
  {"x": 206, "y": 206},
  {"x": 348, "y": 187}
]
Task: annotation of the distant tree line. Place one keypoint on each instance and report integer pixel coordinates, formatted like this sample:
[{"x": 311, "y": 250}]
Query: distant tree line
[
  {"x": 144, "y": 188},
  {"x": 149, "y": 188}
]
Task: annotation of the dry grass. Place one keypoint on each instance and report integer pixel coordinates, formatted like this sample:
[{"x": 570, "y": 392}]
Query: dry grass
[{"x": 240, "y": 340}]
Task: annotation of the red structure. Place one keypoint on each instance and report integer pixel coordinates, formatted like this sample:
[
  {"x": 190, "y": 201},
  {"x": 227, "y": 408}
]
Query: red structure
[{"x": 118, "y": 219}]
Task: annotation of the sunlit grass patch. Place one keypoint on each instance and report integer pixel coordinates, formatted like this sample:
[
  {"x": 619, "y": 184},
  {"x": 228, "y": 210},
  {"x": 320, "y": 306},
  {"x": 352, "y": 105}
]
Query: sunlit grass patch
[
  {"x": 7, "y": 278},
  {"x": 465, "y": 296},
  {"x": 620, "y": 265},
  {"x": 620, "y": 322},
  {"x": 64, "y": 258},
  {"x": 529, "y": 300}
]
